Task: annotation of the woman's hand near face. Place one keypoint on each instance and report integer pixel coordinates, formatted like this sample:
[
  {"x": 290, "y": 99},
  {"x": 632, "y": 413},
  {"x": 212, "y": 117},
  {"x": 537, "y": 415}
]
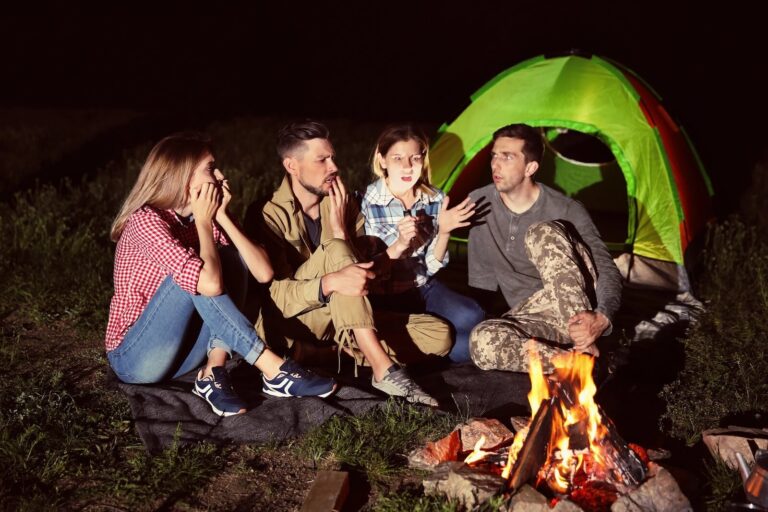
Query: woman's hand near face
[
  {"x": 226, "y": 195},
  {"x": 205, "y": 202},
  {"x": 254, "y": 256}
]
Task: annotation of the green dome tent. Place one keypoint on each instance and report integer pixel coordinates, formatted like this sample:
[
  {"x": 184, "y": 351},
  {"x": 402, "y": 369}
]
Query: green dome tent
[{"x": 652, "y": 186}]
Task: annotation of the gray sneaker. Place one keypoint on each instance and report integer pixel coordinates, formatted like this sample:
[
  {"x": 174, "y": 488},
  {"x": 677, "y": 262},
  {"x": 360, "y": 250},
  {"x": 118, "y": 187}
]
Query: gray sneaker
[{"x": 397, "y": 383}]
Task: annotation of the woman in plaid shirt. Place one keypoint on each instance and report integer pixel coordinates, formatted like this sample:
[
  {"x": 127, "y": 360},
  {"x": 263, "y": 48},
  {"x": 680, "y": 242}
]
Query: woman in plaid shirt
[
  {"x": 171, "y": 311},
  {"x": 412, "y": 218}
]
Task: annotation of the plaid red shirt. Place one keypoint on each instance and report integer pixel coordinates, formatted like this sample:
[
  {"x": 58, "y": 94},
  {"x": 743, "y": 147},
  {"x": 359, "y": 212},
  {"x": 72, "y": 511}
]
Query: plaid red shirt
[{"x": 154, "y": 244}]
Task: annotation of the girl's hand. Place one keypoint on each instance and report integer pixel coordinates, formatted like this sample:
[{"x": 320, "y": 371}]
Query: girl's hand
[
  {"x": 205, "y": 202},
  {"x": 456, "y": 217},
  {"x": 226, "y": 195},
  {"x": 407, "y": 231}
]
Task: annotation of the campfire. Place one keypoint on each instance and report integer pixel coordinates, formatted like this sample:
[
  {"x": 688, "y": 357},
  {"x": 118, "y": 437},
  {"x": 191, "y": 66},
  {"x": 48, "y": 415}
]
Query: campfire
[
  {"x": 568, "y": 444},
  {"x": 569, "y": 449}
]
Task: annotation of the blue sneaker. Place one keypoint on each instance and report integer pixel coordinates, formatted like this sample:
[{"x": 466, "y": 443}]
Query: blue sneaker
[
  {"x": 293, "y": 380},
  {"x": 217, "y": 391}
]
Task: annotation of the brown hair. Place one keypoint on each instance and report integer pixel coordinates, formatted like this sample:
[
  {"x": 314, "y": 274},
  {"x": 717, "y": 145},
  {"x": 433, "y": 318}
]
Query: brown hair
[
  {"x": 533, "y": 142},
  {"x": 398, "y": 133},
  {"x": 294, "y": 136},
  {"x": 165, "y": 176}
]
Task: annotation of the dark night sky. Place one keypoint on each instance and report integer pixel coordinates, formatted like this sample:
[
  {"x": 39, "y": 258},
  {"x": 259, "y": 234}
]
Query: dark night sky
[{"x": 385, "y": 60}]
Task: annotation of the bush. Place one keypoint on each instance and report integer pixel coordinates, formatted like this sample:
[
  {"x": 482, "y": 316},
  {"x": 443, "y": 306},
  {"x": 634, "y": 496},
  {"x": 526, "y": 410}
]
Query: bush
[{"x": 727, "y": 350}]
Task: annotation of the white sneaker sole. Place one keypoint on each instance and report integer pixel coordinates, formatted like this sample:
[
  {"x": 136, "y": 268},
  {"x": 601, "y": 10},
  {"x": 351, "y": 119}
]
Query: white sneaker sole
[
  {"x": 215, "y": 409},
  {"x": 282, "y": 394}
]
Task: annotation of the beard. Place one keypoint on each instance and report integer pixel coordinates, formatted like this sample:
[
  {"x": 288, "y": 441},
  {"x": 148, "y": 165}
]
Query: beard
[{"x": 318, "y": 191}]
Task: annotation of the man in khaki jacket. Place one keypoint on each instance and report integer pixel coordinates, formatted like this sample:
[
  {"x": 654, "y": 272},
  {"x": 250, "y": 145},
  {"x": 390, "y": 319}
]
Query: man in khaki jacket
[{"x": 313, "y": 233}]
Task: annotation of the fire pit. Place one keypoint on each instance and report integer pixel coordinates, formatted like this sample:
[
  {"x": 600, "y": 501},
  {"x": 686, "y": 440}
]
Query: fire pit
[{"x": 569, "y": 449}]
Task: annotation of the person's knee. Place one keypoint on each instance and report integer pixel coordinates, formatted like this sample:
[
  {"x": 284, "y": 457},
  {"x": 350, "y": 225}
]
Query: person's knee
[
  {"x": 338, "y": 254},
  {"x": 539, "y": 232},
  {"x": 547, "y": 241},
  {"x": 480, "y": 347},
  {"x": 444, "y": 336},
  {"x": 439, "y": 335}
]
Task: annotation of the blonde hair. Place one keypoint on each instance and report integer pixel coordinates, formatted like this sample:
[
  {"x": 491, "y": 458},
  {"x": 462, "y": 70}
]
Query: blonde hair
[
  {"x": 164, "y": 177},
  {"x": 400, "y": 133}
]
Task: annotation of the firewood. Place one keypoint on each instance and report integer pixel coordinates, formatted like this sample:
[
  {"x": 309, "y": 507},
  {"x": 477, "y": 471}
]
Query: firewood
[{"x": 533, "y": 454}]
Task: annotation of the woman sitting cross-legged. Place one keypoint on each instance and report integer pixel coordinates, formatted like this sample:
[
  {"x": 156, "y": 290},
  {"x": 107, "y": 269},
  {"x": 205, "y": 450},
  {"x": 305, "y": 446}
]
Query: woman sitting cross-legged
[{"x": 171, "y": 310}]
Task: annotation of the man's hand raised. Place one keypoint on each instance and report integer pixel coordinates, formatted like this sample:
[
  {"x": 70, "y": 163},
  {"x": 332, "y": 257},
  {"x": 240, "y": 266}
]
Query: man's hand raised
[
  {"x": 339, "y": 200},
  {"x": 351, "y": 280}
]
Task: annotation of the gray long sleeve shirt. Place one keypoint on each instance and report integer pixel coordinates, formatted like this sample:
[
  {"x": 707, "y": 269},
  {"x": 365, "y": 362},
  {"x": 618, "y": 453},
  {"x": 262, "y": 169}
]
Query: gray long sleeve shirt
[{"x": 497, "y": 256}]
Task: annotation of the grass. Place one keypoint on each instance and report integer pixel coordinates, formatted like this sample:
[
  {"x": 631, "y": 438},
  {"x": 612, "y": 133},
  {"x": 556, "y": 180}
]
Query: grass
[
  {"x": 66, "y": 439},
  {"x": 727, "y": 351},
  {"x": 63, "y": 442},
  {"x": 376, "y": 443},
  {"x": 723, "y": 483},
  {"x": 415, "y": 502}
]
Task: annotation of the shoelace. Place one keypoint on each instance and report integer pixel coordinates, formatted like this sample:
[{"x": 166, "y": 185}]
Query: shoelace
[
  {"x": 346, "y": 339},
  {"x": 221, "y": 382},
  {"x": 403, "y": 381}
]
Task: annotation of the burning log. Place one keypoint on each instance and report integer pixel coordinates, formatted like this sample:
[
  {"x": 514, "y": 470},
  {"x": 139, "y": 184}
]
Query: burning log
[
  {"x": 626, "y": 464},
  {"x": 533, "y": 454},
  {"x": 570, "y": 443}
]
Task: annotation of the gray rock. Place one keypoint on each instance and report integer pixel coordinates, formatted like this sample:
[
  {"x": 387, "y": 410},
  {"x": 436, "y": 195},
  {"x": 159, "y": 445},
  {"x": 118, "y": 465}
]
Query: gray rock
[
  {"x": 566, "y": 506},
  {"x": 467, "y": 486},
  {"x": 496, "y": 434},
  {"x": 659, "y": 493},
  {"x": 528, "y": 499}
]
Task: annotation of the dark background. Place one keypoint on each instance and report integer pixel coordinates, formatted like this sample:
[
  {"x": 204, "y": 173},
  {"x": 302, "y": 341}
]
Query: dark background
[{"x": 416, "y": 61}]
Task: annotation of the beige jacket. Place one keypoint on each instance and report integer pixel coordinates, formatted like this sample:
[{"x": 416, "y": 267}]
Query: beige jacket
[{"x": 284, "y": 235}]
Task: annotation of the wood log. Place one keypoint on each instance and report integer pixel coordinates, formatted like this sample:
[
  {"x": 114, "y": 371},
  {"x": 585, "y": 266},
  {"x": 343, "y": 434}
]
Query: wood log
[
  {"x": 533, "y": 454},
  {"x": 629, "y": 469},
  {"x": 626, "y": 466}
]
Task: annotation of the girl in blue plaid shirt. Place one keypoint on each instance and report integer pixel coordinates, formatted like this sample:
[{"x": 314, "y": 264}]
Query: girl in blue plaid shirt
[{"x": 412, "y": 218}]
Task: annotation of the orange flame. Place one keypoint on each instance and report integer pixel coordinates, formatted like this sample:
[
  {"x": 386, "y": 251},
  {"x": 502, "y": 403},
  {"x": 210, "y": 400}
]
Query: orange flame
[
  {"x": 539, "y": 388},
  {"x": 539, "y": 393},
  {"x": 477, "y": 454},
  {"x": 514, "y": 450},
  {"x": 574, "y": 370},
  {"x": 574, "y": 373}
]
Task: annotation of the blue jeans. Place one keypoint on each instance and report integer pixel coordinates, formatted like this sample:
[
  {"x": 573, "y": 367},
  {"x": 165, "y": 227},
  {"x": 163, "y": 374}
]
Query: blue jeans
[
  {"x": 176, "y": 331},
  {"x": 462, "y": 312}
]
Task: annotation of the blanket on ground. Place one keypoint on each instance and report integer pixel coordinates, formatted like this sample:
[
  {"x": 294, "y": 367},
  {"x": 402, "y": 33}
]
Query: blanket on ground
[{"x": 168, "y": 411}]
